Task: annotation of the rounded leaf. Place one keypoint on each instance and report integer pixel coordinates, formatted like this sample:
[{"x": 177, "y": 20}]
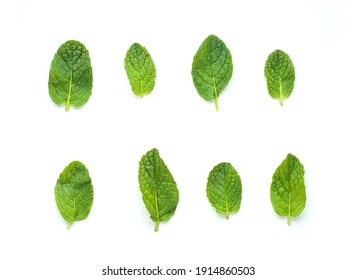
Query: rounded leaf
[
  {"x": 224, "y": 189},
  {"x": 140, "y": 70},
  {"x": 288, "y": 189},
  {"x": 280, "y": 76},
  {"x": 70, "y": 77},
  {"x": 212, "y": 68},
  {"x": 74, "y": 192}
]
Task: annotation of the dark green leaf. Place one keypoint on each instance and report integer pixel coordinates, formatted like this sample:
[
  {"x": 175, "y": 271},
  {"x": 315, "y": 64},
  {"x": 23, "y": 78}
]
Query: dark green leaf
[
  {"x": 70, "y": 77},
  {"x": 287, "y": 189},
  {"x": 279, "y": 73},
  {"x": 224, "y": 189},
  {"x": 158, "y": 188},
  {"x": 212, "y": 68}
]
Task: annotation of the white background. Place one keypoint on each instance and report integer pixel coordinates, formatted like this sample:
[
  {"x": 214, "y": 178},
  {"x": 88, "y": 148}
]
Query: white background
[{"x": 114, "y": 129}]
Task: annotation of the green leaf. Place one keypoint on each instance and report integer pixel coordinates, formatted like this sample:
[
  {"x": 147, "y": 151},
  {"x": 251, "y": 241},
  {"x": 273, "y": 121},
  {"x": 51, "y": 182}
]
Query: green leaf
[
  {"x": 212, "y": 68},
  {"x": 280, "y": 76},
  {"x": 74, "y": 192},
  {"x": 158, "y": 188},
  {"x": 287, "y": 189},
  {"x": 70, "y": 77},
  {"x": 224, "y": 189},
  {"x": 140, "y": 70}
]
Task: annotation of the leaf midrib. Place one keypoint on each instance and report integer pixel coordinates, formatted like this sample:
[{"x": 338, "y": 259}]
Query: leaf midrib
[
  {"x": 157, "y": 211},
  {"x": 227, "y": 214},
  {"x": 215, "y": 89},
  {"x": 69, "y": 91},
  {"x": 280, "y": 92},
  {"x": 289, "y": 217}
]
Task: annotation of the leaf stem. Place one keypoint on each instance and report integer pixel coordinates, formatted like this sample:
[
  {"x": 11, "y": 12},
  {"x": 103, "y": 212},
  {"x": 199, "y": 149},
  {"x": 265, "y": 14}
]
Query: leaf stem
[
  {"x": 157, "y": 211},
  {"x": 216, "y": 103},
  {"x": 288, "y": 221},
  {"x": 280, "y": 92},
  {"x": 69, "y": 225},
  {"x": 227, "y": 214},
  {"x": 156, "y": 226}
]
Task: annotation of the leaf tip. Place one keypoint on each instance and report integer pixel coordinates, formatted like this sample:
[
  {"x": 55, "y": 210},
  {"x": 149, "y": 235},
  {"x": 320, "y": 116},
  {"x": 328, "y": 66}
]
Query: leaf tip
[{"x": 154, "y": 151}]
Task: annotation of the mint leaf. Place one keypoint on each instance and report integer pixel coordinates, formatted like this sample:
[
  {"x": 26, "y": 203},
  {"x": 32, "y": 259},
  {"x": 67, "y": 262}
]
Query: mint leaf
[
  {"x": 212, "y": 68},
  {"x": 287, "y": 189},
  {"x": 280, "y": 76},
  {"x": 74, "y": 192},
  {"x": 224, "y": 189},
  {"x": 140, "y": 70},
  {"x": 158, "y": 188},
  {"x": 70, "y": 77}
]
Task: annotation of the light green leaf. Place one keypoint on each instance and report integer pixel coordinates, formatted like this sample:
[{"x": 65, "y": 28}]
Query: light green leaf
[
  {"x": 287, "y": 189},
  {"x": 140, "y": 70},
  {"x": 74, "y": 192},
  {"x": 224, "y": 189},
  {"x": 280, "y": 76},
  {"x": 212, "y": 68},
  {"x": 158, "y": 188},
  {"x": 70, "y": 77}
]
